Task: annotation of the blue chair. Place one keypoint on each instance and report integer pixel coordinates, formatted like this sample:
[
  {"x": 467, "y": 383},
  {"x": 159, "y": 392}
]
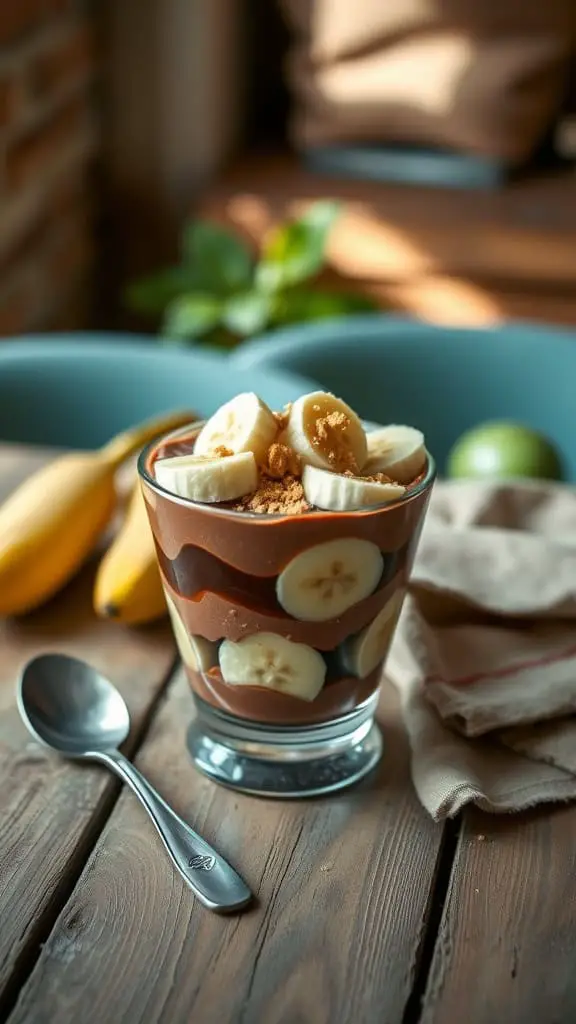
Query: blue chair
[
  {"x": 79, "y": 391},
  {"x": 443, "y": 380}
]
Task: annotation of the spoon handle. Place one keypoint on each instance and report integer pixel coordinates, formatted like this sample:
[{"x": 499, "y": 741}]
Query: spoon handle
[{"x": 214, "y": 881}]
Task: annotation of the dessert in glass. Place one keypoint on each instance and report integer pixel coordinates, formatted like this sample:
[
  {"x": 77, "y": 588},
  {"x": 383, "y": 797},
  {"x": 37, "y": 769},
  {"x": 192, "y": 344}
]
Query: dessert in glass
[{"x": 285, "y": 541}]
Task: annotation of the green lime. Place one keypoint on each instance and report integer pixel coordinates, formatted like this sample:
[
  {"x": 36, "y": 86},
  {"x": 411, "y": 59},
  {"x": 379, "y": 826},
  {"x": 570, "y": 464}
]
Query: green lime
[{"x": 502, "y": 449}]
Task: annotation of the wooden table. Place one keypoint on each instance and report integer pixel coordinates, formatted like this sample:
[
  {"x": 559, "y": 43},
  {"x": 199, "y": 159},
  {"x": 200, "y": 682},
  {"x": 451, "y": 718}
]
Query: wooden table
[{"x": 366, "y": 911}]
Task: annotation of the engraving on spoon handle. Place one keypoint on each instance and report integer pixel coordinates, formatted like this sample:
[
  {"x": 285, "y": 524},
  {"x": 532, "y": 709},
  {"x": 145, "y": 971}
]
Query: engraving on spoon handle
[{"x": 215, "y": 882}]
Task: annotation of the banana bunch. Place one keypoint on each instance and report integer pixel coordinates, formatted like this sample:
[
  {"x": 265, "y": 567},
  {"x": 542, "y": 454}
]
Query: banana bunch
[{"x": 51, "y": 524}]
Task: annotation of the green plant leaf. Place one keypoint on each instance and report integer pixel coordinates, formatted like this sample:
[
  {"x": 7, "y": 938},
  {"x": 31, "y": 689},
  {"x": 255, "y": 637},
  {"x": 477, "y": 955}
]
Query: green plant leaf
[
  {"x": 247, "y": 312},
  {"x": 221, "y": 261},
  {"x": 191, "y": 316},
  {"x": 300, "y": 304},
  {"x": 294, "y": 251},
  {"x": 150, "y": 295}
]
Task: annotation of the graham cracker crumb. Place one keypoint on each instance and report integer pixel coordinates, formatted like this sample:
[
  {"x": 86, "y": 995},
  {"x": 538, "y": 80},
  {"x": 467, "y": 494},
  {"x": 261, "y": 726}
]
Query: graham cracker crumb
[
  {"x": 373, "y": 478},
  {"x": 283, "y": 417},
  {"x": 275, "y": 497},
  {"x": 281, "y": 460},
  {"x": 331, "y": 430},
  {"x": 222, "y": 451}
]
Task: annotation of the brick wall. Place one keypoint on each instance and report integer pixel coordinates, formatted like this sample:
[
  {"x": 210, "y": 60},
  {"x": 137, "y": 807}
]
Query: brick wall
[{"x": 47, "y": 141}]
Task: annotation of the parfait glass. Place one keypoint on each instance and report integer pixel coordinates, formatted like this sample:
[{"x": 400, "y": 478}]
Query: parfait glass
[{"x": 318, "y": 594}]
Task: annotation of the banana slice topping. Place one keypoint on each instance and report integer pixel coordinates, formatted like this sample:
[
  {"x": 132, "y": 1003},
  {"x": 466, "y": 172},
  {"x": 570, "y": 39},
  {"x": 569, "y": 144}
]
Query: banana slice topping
[
  {"x": 208, "y": 478},
  {"x": 337, "y": 493},
  {"x": 244, "y": 424},
  {"x": 317, "y": 443},
  {"x": 325, "y": 432},
  {"x": 397, "y": 450}
]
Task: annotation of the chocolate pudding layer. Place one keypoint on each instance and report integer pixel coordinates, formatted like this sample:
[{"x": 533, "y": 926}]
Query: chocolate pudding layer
[
  {"x": 267, "y": 707},
  {"x": 231, "y": 575}
]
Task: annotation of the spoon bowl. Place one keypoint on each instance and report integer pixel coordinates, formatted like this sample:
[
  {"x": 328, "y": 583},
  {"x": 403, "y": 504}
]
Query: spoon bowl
[{"x": 70, "y": 707}]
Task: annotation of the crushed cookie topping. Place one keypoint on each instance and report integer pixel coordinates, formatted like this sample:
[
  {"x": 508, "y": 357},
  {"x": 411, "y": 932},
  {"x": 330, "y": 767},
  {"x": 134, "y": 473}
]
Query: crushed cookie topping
[
  {"x": 280, "y": 460},
  {"x": 285, "y": 496},
  {"x": 282, "y": 417},
  {"x": 280, "y": 488},
  {"x": 331, "y": 430},
  {"x": 222, "y": 451},
  {"x": 380, "y": 478},
  {"x": 373, "y": 478}
]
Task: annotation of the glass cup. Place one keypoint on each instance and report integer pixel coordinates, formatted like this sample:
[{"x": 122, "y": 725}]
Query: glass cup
[{"x": 319, "y": 594}]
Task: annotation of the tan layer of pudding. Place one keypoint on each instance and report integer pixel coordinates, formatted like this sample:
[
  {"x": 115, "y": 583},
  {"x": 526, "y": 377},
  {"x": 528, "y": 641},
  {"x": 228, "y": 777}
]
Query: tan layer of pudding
[{"x": 220, "y": 569}]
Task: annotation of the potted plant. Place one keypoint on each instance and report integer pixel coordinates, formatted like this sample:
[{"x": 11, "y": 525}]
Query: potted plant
[{"x": 221, "y": 293}]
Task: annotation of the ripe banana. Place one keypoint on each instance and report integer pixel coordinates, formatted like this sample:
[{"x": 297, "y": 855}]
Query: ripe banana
[
  {"x": 52, "y": 522},
  {"x": 338, "y": 493},
  {"x": 327, "y": 433},
  {"x": 396, "y": 450},
  {"x": 324, "y": 581},
  {"x": 206, "y": 478},
  {"x": 275, "y": 663},
  {"x": 128, "y": 586},
  {"x": 244, "y": 424}
]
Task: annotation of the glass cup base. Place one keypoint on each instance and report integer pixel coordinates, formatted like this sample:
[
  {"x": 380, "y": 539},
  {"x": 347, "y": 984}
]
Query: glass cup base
[{"x": 285, "y": 761}]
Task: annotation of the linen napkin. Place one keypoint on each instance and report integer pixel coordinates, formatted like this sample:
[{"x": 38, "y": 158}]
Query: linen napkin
[{"x": 484, "y": 655}]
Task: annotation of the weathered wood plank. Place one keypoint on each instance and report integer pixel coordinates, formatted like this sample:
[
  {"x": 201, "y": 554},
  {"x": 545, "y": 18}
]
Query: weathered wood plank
[
  {"x": 51, "y": 811},
  {"x": 342, "y": 883},
  {"x": 506, "y": 948}
]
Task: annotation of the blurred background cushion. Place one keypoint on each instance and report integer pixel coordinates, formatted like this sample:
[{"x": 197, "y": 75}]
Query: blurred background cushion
[{"x": 483, "y": 78}]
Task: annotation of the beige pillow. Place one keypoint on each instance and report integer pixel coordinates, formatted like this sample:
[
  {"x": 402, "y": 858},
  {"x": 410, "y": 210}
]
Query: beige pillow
[{"x": 478, "y": 76}]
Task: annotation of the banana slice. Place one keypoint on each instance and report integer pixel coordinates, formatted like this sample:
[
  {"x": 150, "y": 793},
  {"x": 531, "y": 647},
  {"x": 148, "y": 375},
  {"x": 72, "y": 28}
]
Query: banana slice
[
  {"x": 206, "y": 478},
  {"x": 362, "y": 653},
  {"x": 324, "y": 581},
  {"x": 244, "y": 424},
  {"x": 196, "y": 652},
  {"x": 396, "y": 450},
  {"x": 275, "y": 663},
  {"x": 325, "y": 432},
  {"x": 344, "y": 493}
]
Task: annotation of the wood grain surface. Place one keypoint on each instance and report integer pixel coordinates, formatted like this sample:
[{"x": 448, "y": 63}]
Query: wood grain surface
[
  {"x": 342, "y": 887},
  {"x": 51, "y": 811},
  {"x": 506, "y": 947}
]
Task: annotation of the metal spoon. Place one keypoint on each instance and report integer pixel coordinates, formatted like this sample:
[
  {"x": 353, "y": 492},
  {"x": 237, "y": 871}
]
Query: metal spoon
[{"x": 68, "y": 706}]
